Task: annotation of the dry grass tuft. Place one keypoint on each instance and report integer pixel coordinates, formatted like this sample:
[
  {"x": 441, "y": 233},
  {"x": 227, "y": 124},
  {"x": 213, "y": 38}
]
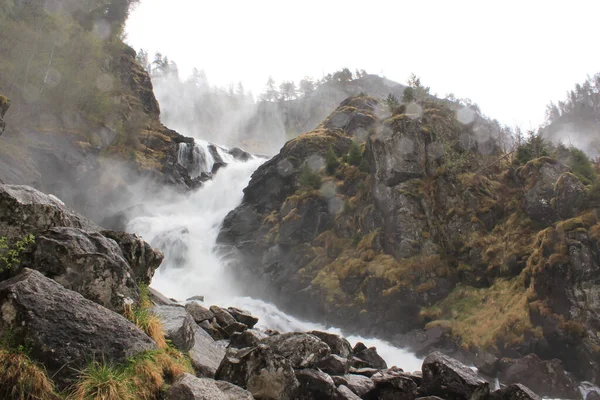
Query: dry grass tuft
[{"x": 22, "y": 379}]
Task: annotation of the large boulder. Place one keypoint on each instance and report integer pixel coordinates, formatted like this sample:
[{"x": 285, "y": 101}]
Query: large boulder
[
  {"x": 358, "y": 384},
  {"x": 368, "y": 358},
  {"x": 206, "y": 354},
  {"x": 25, "y": 210},
  {"x": 314, "y": 385},
  {"x": 243, "y": 316},
  {"x": 62, "y": 328},
  {"x": 262, "y": 372},
  {"x": 392, "y": 384},
  {"x": 569, "y": 195},
  {"x": 450, "y": 379},
  {"x": 178, "y": 325},
  {"x": 514, "y": 392},
  {"x": 544, "y": 377},
  {"x": 303, "y": 350},
  {"x": 339, "y": 345},
  {"x": 140, "y": 256},
  {"x": 188, "y": 387},
  {"x": 198, "y": 312},
  {"x": 343, "y": 393},
  {"x": 85, "y": 262}
]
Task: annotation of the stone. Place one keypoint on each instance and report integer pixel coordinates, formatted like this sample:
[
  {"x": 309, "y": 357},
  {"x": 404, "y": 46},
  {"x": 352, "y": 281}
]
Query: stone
[
  {"x": 545, "y": 377},
  {"x": 87, "y": 263},
  {"x": 448, "y": 378},
  {"x": 569, "y": 195},
  {"x": 358, "y": 384},
  {"x": 178, "y": 326},
  {"x": 368, "y": 372},
  {"x": 392, "y": 384},
  {"x": 343, "y": 393},
  {"x": 141, "y": 257},
  {"x": 338, "y": 344},
  {"x": 197, "y": 298},
  {"x": 62, "y": 328},
  {"x": 514, "y": 392},
  {"x": 235, "y": 327},
  {"x": 259, "y": 370},
  {"x": 247, "y": 338},
  {"x": 159, "y": 299},
  {"x": 301, "y": 349},
  {"x": 243, "y": 317},
  {"x": 213, "y": 329},
  {"x": 334, "y": 365},
  {"x": 223, "y": 317},
  {"x": 368, "y": 358},
  {"x": 198, "y": 312},
  {"x": 314, "y": 385},
  {"x": 206, "y": 354},
  {"x": 189, "y": 387}
]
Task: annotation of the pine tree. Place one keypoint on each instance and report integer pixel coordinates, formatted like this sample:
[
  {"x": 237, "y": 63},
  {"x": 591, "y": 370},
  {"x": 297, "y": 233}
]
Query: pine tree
[
  {"x": 354, "y": 155},
  {"x": 331, "y": 161}
]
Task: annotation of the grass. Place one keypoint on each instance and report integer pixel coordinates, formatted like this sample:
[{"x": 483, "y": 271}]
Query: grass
[
  {"x": 144, "y": 319},
  {"x": 23, "y": 379},
  {"x": 484, "y": 317},
  {"x": 144, "y": 376}
]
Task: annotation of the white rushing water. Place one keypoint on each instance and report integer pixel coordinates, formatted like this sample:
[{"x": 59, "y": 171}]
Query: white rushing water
[{"x": 185, "y": 229}]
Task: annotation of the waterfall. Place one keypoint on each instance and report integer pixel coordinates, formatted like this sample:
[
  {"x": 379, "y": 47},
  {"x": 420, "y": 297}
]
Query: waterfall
[
  {"x": 196, "y": 158},
  {"x": 185, "y": 228}
]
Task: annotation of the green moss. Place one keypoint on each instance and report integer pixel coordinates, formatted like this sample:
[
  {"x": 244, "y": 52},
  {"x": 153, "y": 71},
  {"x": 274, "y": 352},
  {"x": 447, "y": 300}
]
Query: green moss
[{"x": 570, "y": 225}]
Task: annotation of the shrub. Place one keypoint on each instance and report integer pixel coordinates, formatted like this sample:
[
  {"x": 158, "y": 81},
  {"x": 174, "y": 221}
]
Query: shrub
[
  {"x": 309, "y": 178},
  {"x": 331, "y": 161},
  {"x": 581, "y": 166},
  {"x": 9, "y": 255}
]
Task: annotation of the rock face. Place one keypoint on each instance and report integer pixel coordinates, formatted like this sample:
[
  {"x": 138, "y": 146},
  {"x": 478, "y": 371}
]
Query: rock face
[
  {"x": 142, "y": 258},
  {"x": 539, "y": 177},
  {"x": 449, "y": 378},
  {"x": 301, "y": 349},
  {"x": 206, "y": 355},
  {"x": 46, "y": 317}
]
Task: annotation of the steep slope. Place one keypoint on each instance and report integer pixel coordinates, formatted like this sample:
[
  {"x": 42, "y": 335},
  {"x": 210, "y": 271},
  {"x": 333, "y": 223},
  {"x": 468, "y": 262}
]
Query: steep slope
[
  {"x": 83, "y": 121},
  {"x": 429, "y": 227}
]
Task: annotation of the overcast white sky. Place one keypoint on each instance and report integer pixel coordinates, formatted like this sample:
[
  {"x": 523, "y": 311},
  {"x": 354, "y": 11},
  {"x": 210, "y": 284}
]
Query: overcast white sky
[{"x": 511, "y": 57}]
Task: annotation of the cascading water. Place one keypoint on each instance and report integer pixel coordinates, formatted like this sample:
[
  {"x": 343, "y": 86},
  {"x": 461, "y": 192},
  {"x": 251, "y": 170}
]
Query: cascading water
[
  {"x": 196, "y": 158},
  {"x": 185, "y": 228}
]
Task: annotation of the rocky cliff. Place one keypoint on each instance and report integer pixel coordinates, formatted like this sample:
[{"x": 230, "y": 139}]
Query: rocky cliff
[{"x": 430, "y": 237}]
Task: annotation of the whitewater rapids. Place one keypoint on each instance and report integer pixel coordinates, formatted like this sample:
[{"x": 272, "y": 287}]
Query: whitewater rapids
[{"x": 185, "y": 229}]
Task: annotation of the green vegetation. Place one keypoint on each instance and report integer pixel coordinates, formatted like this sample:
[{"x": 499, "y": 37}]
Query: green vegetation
[
  {"x": 309, "y": 179},
  {"x": 9, "y": 255},
  {"x": 581, "y": 166},
  {"x": 354, "y": 156},
  {"x": 331, "y": 161},
  {"x": 101, "y": 380}
]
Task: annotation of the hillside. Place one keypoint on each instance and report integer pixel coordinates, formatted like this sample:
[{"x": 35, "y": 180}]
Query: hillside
[
  {"x": 416, "y": 226},
  {"x": 82, "y": 121}
]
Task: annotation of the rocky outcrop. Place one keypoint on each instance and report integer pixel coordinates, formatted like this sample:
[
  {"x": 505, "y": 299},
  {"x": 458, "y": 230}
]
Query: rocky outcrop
[
  {"x": 178, "y": 325},
  {"x": 569, "y": 196},
  {"x": 448, "y": 378},
  {"x": 64, "y": 330},
  {"x": 103, "y": 266},
  {"x": 301, "y": 349}
]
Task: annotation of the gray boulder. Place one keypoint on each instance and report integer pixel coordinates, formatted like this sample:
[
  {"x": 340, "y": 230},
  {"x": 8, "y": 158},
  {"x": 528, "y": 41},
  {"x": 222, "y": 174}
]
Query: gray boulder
[
  {"x": 198, "y": 312},
  {"x": 358, "y": 384},
  {"x": 63, "y": 329},
  {"x": 223, "y": 317},
  {"x": 25, "y": 210},
  {"x": 343, "y": 393},
  {"x": 569, "y": 195},
  {"x": 159, "y": 299},
  {"x": 392, "y": 385},
  {"x": 141, "y": 257},
  {"x": 206, "y": 354},
  {"x": 314, "y": 385},
  {"x": 188, "y": 387},
  {"x": 87, "y": 263},
  {"x": 248, "y": 338},
  {"x": 450, "y": 379},
  {"x": 334, "y": 365},
  {"x": 301, "y": 349},
  {"x": 243, "y": 316},
  {"x": 514, "y": 392},
  {"x": 259, "y": 370},
  {"x": 368, "y": 358},
  {"x": 178, "y": 325},
  {"x": 338, "y": 344}
]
